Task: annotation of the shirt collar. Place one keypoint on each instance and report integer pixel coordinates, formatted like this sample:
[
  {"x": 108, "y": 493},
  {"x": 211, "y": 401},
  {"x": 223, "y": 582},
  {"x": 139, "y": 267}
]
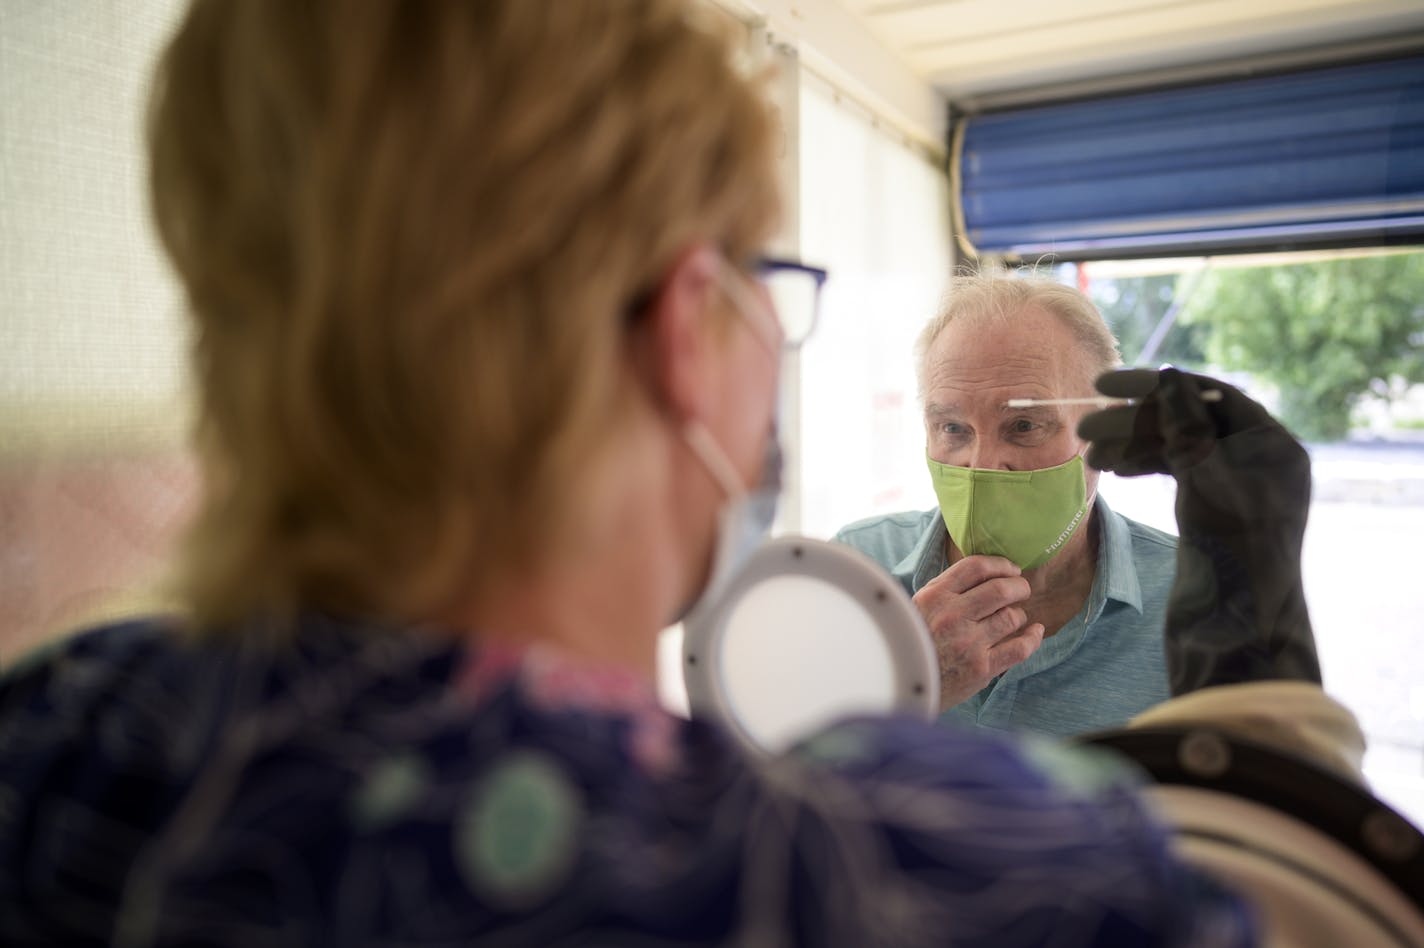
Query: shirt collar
[
  {"x": 1117, "y": 570},
  {"x": 928, "y": 558}
]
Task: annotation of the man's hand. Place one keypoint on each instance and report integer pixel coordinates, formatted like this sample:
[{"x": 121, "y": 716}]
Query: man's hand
[
  {"x": 1237, "y": 610},
  {"x": 978, "y": 630}
]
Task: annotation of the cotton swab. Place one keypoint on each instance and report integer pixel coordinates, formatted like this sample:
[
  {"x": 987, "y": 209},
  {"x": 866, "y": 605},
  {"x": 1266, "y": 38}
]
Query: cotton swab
[{"x": 1209, "y": 395}]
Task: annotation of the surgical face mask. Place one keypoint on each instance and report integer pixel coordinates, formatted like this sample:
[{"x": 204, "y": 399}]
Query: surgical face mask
[
  {"x": 1024, "y": 516},
  {"x": 745, "y": 517}
]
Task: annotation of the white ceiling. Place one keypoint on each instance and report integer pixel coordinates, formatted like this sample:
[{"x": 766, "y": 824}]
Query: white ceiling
[{"x": 977, "y": 52}]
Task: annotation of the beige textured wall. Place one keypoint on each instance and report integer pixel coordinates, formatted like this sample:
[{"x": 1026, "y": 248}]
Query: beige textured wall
[{"x": 93, "y": 476}]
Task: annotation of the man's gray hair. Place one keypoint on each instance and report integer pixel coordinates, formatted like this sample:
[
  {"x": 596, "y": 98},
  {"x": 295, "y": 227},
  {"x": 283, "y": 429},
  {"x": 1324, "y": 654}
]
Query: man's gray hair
[{"x": 1000, "y": 296}]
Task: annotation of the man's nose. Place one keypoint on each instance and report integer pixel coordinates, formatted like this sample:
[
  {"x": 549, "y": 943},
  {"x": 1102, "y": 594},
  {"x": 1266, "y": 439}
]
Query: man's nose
[{"x": 990, "y": 458}]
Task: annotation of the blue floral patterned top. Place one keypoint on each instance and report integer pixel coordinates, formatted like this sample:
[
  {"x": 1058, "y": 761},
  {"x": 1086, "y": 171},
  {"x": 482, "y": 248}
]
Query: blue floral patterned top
[{"x": 363, "y": 787}]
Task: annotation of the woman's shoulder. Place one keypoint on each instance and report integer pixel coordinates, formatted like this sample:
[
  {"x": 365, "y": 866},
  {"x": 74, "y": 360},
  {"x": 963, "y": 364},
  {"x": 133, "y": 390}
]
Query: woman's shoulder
[{"x": 401, "y": 784}]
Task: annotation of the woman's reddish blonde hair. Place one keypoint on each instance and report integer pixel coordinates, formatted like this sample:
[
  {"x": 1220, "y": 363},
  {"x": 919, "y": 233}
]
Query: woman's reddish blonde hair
[{"x": 410, "y": 232}]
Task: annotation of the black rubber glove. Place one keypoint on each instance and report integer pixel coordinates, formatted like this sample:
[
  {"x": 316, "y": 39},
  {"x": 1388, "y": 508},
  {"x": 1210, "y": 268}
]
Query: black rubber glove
[{"x": 1237, "y": 608}]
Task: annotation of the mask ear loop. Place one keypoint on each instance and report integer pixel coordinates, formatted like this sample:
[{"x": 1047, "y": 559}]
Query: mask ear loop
[
  {"x": 1091, "y": 502},
  {"x": 713, "y": 458}
]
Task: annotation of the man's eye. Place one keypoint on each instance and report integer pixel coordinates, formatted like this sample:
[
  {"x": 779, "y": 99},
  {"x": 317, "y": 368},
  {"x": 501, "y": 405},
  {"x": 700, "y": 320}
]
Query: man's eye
[
  {"x": 1023, "y": 426},
  {"x": 952, "y": 428}
]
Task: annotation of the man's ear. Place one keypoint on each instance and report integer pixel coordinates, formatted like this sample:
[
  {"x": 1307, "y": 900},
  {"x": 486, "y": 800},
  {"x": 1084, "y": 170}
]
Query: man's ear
[{"x": 673, "y": 345}]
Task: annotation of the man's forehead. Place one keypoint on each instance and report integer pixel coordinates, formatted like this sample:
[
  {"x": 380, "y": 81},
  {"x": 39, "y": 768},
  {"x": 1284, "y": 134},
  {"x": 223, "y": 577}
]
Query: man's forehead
[
  {"x": 953, "y": 407},
  {"x": 1029, "y": 348},
  {"x": 1023, "y": 325}
]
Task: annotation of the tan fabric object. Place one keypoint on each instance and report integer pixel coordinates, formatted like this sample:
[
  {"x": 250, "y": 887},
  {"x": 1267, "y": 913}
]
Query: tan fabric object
[{"x": 1294, "y": 716}]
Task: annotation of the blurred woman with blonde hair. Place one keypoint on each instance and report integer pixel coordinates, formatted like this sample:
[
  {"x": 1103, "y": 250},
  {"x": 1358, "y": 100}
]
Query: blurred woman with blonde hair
[{"x": 487, "y": 371}]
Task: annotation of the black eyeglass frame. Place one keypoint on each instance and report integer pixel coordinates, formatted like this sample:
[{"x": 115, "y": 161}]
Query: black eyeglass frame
[{"x": 764, "y": 267}]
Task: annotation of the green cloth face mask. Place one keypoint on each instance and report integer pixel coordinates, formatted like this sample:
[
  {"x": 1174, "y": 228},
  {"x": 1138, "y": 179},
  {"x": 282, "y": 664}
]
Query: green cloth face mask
[{"x": 1024, "y": 516}]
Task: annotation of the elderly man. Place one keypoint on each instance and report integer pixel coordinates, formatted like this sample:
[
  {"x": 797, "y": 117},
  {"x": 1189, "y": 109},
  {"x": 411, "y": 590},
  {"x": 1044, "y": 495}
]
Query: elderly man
[{"x": 1046, "y": 607}]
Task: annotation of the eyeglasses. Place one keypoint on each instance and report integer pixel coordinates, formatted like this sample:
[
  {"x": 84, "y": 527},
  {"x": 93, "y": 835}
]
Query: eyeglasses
[{"x": 795, "y": 290}]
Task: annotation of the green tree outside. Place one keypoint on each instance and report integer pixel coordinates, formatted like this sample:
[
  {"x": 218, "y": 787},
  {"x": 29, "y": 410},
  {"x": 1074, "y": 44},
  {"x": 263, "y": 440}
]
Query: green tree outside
[
  {"x": 1325, "y": 334},
  {"x": 1133, "y": 308}
]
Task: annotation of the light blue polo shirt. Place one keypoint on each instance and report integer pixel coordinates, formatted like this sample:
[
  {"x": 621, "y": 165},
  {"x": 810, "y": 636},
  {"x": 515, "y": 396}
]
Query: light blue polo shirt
[{"x": 1103, "y": 667}]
